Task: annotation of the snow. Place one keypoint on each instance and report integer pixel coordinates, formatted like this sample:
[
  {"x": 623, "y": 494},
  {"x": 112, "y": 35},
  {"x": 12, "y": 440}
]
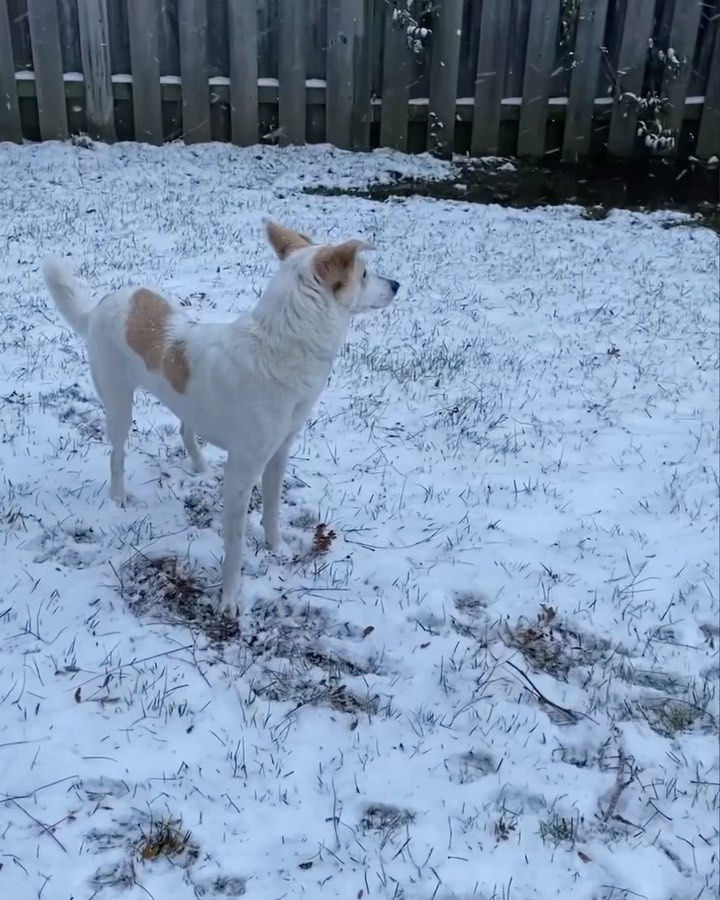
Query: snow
[{"x": 501, "y": 678}]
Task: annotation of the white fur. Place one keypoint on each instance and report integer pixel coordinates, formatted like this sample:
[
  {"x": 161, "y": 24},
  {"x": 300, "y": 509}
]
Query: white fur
[{"x": 252, "y": 385}]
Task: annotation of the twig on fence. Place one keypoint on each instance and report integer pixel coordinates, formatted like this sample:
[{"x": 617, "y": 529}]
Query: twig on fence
[{"x": 612, "y": 73}]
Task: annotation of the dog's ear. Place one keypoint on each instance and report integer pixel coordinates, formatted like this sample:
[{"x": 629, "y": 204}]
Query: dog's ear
[
  {"x": 334, "y": 265},
  {"x": 285, "y": 240}
]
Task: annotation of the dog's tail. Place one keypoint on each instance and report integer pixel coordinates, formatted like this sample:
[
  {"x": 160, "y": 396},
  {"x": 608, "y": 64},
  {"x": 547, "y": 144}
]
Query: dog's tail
[{"x": 69, "y": 297}]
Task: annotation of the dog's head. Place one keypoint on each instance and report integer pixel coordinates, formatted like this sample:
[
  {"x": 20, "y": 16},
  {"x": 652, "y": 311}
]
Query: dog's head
[{"x": 338, "y": 271}]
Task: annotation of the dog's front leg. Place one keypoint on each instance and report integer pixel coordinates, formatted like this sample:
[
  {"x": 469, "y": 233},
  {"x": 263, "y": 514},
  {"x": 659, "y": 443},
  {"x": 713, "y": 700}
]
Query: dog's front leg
[
  {"x": 236, "y": 497},
  {"x": 272, "y": 481},
  {"x": 193, "y": 451}
]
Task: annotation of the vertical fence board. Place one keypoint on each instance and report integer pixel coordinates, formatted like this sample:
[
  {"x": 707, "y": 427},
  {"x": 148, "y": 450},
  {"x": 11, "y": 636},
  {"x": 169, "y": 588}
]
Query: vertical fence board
[
  {"x": 10, "y": 127},
  {"x": 292, "y": 15},
  {"x": 95, "y": 54},
  {"x": 469, "y": 45},
  {"x": 377, "y": 46},
  {"x": 444, "y": 70},
  {"x": 70, "y": 48},
  {"x": 490, "y": 77},
  {"x": 192, "y": 22},
  {"x": 340, "y": 73},
  {"x": 613, "y": 36},
  {"x": 362, "y": 77},
  {"x": 584, "y": 79},
  {"x": 117, "y": 17},
  {"x": 517, "y": 47},
  {"x": 539, "y": 60},
  {"x": 20, "y": 34},
  {"x": 145, "y": 69},
  {"x": 683, "y": 36},
  {"x": 397, "y": 74},
  {"x": 217, "y": 40},
  {"x": 632, "y": 61},
  {"x": 168, "y": 38},
  {"x": 316, "y": 38},
  {"x": 47, "y": 64},
  {"x": 709, "y": 17},
  {"x": 708, "y": 142},
  {"x": 267, "y": 52},
  {"x": 244, "y": 117}
]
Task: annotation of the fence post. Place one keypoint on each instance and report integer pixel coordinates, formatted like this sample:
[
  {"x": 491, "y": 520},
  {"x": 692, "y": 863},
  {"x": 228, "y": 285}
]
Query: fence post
[
  {"x": 47, "y": 64},
  {"x": 632, "y": 61},
  {"x": 340, "y": 73},
  {"x": 539, "y": 60},
  {"x": 396, "y": 75},
  {"x": 708, "y": 142},
  {"x": 490, "y": 77},
  {"x": 362, "y": 87},
  {"x": 192, "y": 26},
  {"x": 97, "y": 70},
  {"x": 145, "y": 69},
  {"x": 584, "y": 78},
  {"x": 683, "y": 37},
  {"x": 444, "y": 67},
  {"x": 10, "y": 126},
  {"x": 291, "y": 70},
  {"x": 244, "y": 114}
]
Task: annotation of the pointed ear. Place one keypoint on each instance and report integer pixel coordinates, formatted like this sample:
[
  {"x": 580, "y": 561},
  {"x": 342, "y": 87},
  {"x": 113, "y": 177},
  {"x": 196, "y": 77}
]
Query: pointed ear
[
  {"x": 285, "y": 240},
  {"x": 334, "y": 265}
]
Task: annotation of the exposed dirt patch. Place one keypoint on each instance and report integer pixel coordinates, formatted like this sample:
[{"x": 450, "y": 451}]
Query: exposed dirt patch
[
  {"x": 649, "y": 186},
  {"x": 163, "y": 585}
]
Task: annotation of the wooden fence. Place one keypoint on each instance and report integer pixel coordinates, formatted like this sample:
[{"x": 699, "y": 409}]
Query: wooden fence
[{"x": 524, "y": 77}]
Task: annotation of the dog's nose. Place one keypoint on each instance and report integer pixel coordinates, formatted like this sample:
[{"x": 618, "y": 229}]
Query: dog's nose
[{"x": 395, "y": 286}]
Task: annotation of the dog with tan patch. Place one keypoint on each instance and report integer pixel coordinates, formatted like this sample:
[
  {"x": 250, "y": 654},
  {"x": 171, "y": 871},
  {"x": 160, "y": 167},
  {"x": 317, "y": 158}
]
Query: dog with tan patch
[{"x": 246, "y": 386}]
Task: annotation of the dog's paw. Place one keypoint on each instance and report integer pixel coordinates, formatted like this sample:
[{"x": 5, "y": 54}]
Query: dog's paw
[
  {"x": 199, "y": 463},
  {"x": 281, "y": 550},
  {"x": 124, "y": 500},
  {"x": 230, "y": 605}
]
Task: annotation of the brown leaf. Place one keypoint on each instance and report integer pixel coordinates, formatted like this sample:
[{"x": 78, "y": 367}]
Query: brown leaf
[
  {"x": 323, "y": 538},
  {"x": 368, "y": 630},
  {"x": 584, "y": 857},
  {"x": 77, "y": 696}
]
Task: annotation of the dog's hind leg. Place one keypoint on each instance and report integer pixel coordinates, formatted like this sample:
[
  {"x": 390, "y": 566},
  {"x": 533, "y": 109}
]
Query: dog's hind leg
[
  {"x": 272, "y": 481},
  {"x": 193, "y": 451}
]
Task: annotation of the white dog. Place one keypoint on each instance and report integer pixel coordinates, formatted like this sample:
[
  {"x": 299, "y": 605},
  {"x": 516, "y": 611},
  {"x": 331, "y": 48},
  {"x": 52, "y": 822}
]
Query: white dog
[{"x": 245, "y": 386}]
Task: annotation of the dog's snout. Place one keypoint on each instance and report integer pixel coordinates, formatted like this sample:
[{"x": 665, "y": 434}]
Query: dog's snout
[{"x": 394, "y": 286}]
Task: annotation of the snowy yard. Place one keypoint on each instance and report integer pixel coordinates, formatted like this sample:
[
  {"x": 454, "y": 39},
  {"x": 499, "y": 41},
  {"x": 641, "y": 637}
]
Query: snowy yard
[{"x": 498, "y": 681}]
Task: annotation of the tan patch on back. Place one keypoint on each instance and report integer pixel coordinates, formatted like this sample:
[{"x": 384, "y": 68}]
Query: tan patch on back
[
  {"x": 146, "y": 333},
  {"x": 176, "y": 366}
]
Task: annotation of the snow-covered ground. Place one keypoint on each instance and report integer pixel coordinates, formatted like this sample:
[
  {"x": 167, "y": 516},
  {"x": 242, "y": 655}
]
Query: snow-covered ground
[{"x": 501, "y": 678}]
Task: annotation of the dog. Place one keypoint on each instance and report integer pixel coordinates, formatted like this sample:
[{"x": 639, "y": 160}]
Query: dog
[{"x": 245, "y": 386}]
